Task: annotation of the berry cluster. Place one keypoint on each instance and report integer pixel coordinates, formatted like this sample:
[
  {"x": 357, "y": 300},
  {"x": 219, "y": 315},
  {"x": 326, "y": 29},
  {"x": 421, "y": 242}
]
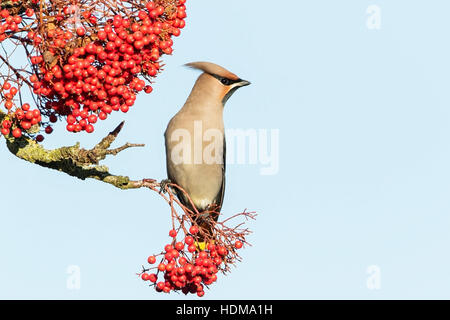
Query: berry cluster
[
  {"x": 87, "y": 64},
  {"x": 24, "y": 116},
  {"x": 186, "y": 266}
]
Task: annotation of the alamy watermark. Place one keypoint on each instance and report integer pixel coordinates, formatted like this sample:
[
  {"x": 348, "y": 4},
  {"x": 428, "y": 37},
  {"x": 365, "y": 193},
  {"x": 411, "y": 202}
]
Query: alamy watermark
[
  {"x": 373, "y": 21},
  {"x": 243, "y": 146},
  {"x": 373, "y": 281},
  {"x": 73, "y": 281}
]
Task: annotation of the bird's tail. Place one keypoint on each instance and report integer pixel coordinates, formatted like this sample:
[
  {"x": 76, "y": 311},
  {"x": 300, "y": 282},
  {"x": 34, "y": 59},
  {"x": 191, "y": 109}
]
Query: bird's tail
[
  {"x": 206, "y": 221},
  {"x": 201, "y": 246},
  {"x": 206, "y": 226}
]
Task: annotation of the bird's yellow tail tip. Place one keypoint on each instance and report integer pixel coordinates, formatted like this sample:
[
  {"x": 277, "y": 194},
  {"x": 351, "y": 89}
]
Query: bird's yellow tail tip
[{"x": 201, "y": 246}]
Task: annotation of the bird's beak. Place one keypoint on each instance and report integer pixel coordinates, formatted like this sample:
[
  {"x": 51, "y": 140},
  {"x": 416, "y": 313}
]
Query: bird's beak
[
  {"x": 233, "y": 88},
  {"x": 244, "y": 83}
]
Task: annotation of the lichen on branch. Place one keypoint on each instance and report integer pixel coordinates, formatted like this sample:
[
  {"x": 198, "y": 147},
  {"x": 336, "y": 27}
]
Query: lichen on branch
[{"x": 74, "y": 160}]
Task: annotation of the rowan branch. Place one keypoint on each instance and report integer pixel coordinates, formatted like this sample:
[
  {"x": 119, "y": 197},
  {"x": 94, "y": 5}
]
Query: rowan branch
[{"x": 74, "y": 160}]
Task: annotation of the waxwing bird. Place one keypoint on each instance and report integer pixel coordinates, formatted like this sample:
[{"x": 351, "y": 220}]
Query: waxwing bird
[{"x": 195, "y": 141}]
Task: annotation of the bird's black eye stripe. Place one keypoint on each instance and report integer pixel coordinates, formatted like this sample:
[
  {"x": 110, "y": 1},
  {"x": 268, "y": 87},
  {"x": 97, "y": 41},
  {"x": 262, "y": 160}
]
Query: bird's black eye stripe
[{"x": 226, "y": 81}]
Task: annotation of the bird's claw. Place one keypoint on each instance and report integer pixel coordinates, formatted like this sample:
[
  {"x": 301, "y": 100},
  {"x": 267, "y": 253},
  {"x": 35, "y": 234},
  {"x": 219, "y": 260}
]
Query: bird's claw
[{"x": 163, "y": 185}]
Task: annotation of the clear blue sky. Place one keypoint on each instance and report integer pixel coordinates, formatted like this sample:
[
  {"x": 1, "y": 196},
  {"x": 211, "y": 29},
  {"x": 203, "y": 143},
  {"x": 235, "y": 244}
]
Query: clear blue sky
[{"x": 364, "y": 175}]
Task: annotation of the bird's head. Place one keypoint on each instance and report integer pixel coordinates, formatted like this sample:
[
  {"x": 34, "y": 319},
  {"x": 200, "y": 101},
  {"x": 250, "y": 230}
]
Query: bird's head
[{"x": 218, "y": 79}]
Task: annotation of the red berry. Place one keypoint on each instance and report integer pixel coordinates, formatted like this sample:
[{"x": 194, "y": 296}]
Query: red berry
[
  {"x": 170, "y": 266},
  {"x": 168, "y": 256},
  {"x": 26, "y": 125},
  {"x": 81, "y": 31},
  {"x": 102, "y": 116},
  {"x": 151, "y": 259},
  {"x": 89, "y": 128},
  {"x": 175, "y": 253},
  {"x": 6, "y": 124},
  {"x": 238, "y": 244},
  {"x": 92, "y": 118},
  {"x": 179, "y": 246},
  {"x": 161, "y": 285},
  {"x": 189, "y": 268},
  {"x": 8, "y": 104},
  {"x": 139, "y": 44},
  {"x": 152, "y": 277},
  {"x": 29, "y": 12},
  {"x": 102, "y": 35},
  {"x": 39, "y": 138},
  {"x": 198, "y": 280},
  {"x": 124, "y": 108},
  {"x": 48, "y": 130},
  {"x": 160, "y": 10},
  {"x": 222, "y": 251},
  {"x": 71, "y": 119},
  {"x": 161, "y": 267},
  {"x": 193, "y": 230},
  {"x": 36, "y": 113},
  {"x": 172, "y": 233},
  {"x": 17, "y": 133},
  {"x": 189, "y": 240}
]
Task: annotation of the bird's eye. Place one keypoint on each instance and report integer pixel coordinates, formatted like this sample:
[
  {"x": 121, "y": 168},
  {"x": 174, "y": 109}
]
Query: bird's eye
[{"x": 225, "y": 81}]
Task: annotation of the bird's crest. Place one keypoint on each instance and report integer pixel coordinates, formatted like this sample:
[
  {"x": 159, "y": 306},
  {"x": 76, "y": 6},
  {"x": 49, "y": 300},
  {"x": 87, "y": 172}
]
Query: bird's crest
[{"x": 212, "y": 69}]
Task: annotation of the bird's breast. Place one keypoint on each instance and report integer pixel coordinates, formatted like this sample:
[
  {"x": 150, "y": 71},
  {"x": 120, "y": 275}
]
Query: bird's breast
[{"x": 195, "y": 154}]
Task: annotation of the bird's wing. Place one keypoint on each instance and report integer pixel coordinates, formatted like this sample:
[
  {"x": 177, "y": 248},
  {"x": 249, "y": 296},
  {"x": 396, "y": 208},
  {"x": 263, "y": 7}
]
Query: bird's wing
[
  {"x": 179, "y": 194},
  {"x": 221, "y": 195}
]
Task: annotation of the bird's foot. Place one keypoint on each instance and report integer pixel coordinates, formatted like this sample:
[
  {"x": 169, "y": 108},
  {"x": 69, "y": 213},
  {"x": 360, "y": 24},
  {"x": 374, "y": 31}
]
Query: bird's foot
[
  {"x": 213, "y": 209},
  {"x": 163, "y": 185}
]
